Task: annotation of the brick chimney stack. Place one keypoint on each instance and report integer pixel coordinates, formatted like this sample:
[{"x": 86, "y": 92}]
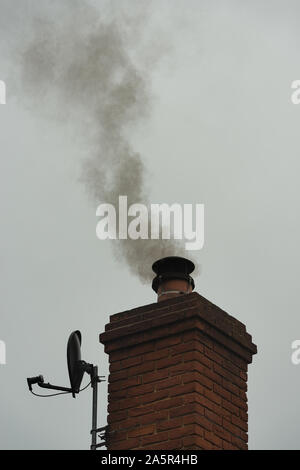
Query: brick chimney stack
[{"x": 178, "y": 377}]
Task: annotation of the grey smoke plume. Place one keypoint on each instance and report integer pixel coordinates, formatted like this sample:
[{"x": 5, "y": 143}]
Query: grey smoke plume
[{"x": 80, "y": 64}]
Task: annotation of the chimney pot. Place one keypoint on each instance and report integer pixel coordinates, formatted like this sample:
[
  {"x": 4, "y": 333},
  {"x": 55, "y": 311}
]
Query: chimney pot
[{"x": 172, "y": 277}]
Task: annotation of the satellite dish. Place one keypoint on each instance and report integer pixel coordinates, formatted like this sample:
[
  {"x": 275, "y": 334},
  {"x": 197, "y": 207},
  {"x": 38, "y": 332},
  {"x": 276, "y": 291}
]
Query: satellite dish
[{"x": 75, "y": 368}]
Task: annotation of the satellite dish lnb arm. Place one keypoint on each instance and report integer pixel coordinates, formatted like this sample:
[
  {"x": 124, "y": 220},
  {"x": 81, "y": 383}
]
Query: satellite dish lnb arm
[
  {"x": 54, "y": 387},
  {"x": 39, "y": 380},
  {"x": 88, "y": 368}
]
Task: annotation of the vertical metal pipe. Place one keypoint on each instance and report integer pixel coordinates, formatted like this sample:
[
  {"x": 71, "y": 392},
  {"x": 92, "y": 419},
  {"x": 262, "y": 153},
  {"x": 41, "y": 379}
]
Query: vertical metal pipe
[{"x": 94, "y": 380}]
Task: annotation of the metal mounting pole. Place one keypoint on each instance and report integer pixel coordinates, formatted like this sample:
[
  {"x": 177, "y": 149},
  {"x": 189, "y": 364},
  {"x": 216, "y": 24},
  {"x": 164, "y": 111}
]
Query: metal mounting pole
[{"x": 94, "y": 383}]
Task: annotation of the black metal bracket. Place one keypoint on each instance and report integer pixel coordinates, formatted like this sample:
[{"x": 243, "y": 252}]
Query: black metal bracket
[
  {"x": 54, "y": 387},
  {"x": 103, "y": 434}
]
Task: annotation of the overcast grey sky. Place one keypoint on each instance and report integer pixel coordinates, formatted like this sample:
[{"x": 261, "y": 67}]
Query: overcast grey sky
[{"x": 219, "y": 129}]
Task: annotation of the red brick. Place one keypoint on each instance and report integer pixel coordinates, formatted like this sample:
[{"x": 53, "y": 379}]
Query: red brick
[
  {"x": 176, "y": 328},
  {"x": 125, "y": 424},
  {"x": 204, "y": 339},
  {"x": 186, "y": 347},
  {"x": 113, "y": 406},
  {"x": 140, "y": 369},
  {"x": 156, "y": 417},
  {"x": 155, "y": 438},
  {"x": 189, "y": 367},
  {"x": 140, "y": 390},
  {"x": 118, "y": 355},
  {"x": 244, "y": 436},
  {"x": 182, "y": 389},
  {"x": 228, "y": 446},
  {"x": 155, "y": 396},
  {"x": 166, "y": 342},
  {"x": 181, "y": 432},
  {"x": 243, "y": 415},
  {"x": 222, "y": 392},
  {"x": 214, "y": 377},
  {"x": 231, "y": 387},
  {"x": 123, "y": 364},
  {"x": 189, "y": 442},
  {"x": 141, "y": 410},
  {"x": 226, "y": 374},
  {"x": 243, "y": 376},
  {"x": 174, "y": 444},
  {"x": 117, "y": 394},
  {"x": 131, "y": 361},
  {"x": 202, "y": 421},
  {"x": 197, "y": 356},
  {"x": 213, "y": 356},
  {"x": 155, "y": 376},
  {"x": 195, "y": 376},
  {"x": 230, "y": 407},
  {"x": 207, "y": 403},
  {"x": 222, "y": 433},
  {"x": 213, "y": 417},
  {"x": 169, "y": 403},
  {"x": 234, "y": 430},
  {"x": 240, "y": 423},
  {"x": 140, "y": 349},
  {"x": 124, "y": 445},
  {"x": 203, "y": 443},
  {"x": 115, "y": 366},
  {"x": 113, "y": 377},
  {"x": 240, "y": 403},
  {"x": 189, "y": 336},
  {"x": 231, "y": 367},
  {"x": 211, "y": 437},
  {"x": 168, "y": 383},
  {"x": 154, "y": 355},
  {"x": 168, "y": 362},
  {"x": 226, "y": 354},
  {"x": 129, "y": 403},
  {"x": 142, "y": 431},
  {"x": 182, "y": 410},
  {"x": 190, "y": 398},
  {"x": 119, "y": 435},
  {"x": 122, "y": 384},
  {"x": 243, "y": 395},
  {"x": 117, "y": 416},
  {"x": 239, "y": 443},
  {"x": 170, "y": 424},
  {"x": 213, "y": 396}
]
